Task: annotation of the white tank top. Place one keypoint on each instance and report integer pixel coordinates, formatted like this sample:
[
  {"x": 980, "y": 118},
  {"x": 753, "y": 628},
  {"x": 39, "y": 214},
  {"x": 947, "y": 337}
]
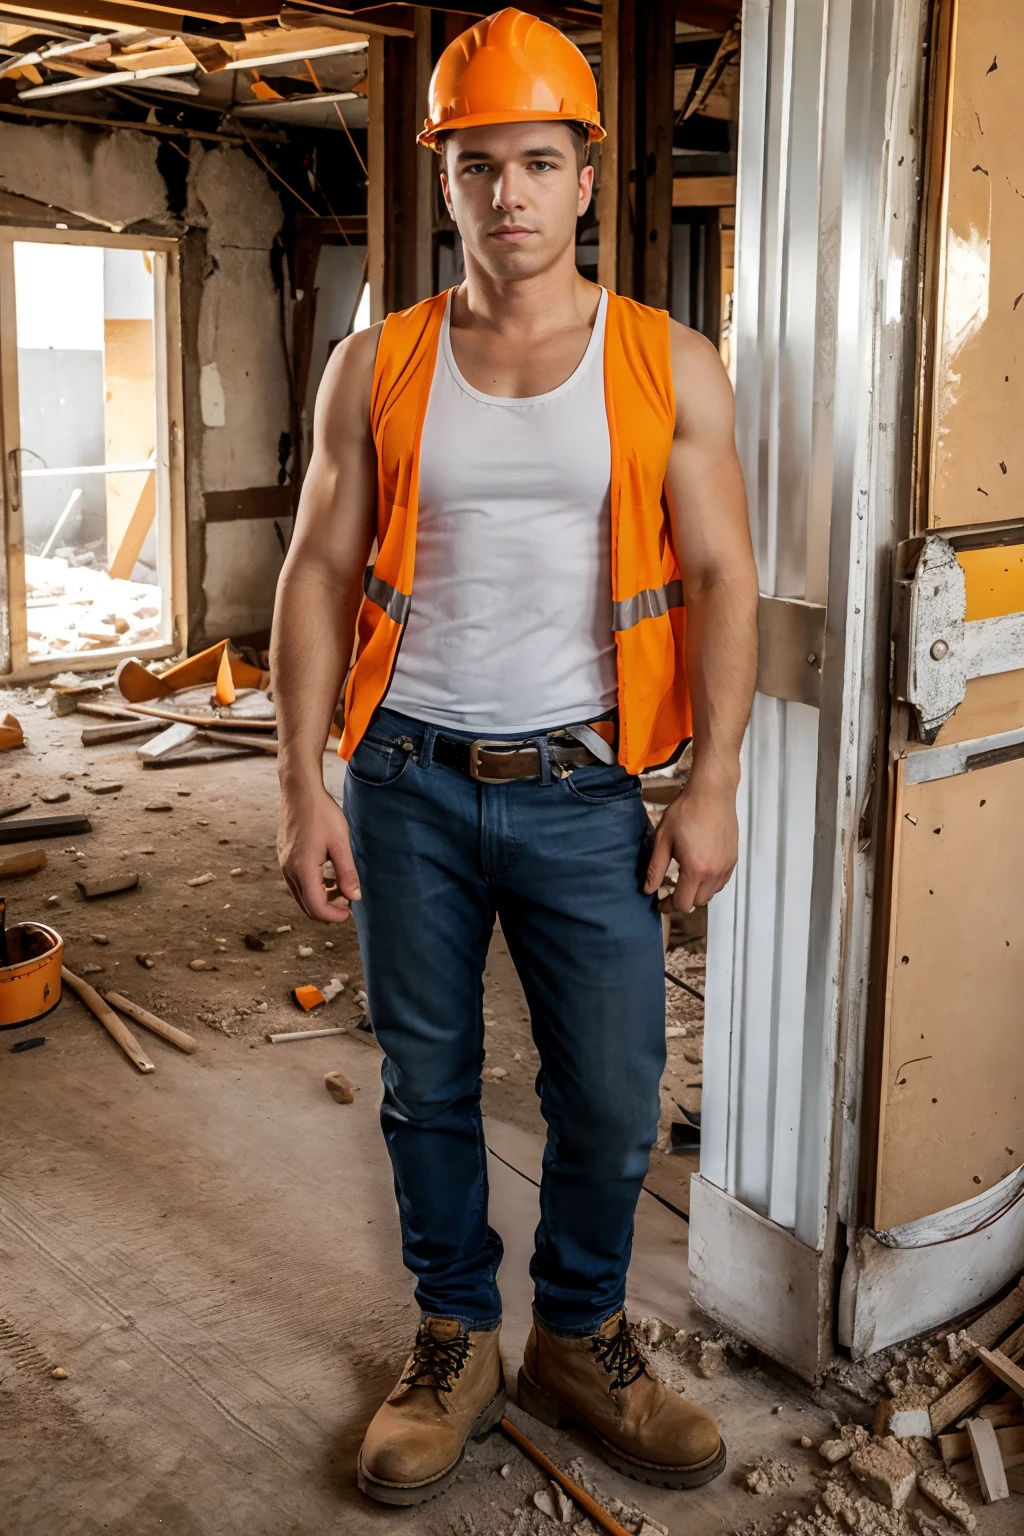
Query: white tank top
[{"x": 510, "y": 628}]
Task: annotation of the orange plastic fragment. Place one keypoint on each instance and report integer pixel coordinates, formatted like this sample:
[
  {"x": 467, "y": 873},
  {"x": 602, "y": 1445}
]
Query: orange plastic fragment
[
  {"x": 11, "y": 733},
  {"x": 308, "y": 997},
  {"x": 137, "y": 684},
  {"x": 225, "y": 693}
]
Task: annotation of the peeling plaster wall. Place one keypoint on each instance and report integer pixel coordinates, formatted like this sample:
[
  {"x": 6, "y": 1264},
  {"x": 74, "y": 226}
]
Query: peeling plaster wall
[
  {"x": 236, "y": 381},
  {"x": 241, "y": 378}
]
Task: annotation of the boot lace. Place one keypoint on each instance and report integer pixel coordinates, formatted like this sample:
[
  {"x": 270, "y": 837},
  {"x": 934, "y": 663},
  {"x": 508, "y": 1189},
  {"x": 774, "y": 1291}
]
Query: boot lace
[
  {"x": 436, "y": 1362},
  {"x": 619, "y": 1356}
]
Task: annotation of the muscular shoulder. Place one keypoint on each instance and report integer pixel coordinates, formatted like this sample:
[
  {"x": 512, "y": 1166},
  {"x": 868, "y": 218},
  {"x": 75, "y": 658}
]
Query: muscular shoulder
[
  {"x": 703, "y": 392},
  {"x": 343, "y": 399}
]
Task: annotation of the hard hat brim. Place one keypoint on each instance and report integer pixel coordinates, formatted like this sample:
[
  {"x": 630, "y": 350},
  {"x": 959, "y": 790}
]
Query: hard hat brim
[{"x": 428, "y": 137}]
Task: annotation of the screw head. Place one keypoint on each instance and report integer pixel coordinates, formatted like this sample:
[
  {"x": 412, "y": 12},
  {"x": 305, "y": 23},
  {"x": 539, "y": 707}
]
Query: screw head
[{"x": 939, "y": 650}]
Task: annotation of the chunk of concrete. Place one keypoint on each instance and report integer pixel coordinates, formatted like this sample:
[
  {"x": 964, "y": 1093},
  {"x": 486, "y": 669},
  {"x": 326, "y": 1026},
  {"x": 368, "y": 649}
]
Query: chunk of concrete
[{"x": 886, "y": 1471}]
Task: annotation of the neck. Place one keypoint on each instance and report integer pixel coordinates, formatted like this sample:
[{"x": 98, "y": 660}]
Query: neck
[{"x": 546, "y": 301}]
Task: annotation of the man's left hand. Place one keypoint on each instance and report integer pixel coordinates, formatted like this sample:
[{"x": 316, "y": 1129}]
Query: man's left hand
[{"x": 700, "y": 831}]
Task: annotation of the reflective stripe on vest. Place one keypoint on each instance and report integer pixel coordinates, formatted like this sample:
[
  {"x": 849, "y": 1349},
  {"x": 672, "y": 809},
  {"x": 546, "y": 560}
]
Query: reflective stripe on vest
[
  {"x": 395, "y": 604},
  {"x": 652, "y": 603}
]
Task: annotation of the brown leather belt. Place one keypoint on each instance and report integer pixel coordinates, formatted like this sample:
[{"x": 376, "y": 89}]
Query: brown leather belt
[{"x": 499, "y": 762}]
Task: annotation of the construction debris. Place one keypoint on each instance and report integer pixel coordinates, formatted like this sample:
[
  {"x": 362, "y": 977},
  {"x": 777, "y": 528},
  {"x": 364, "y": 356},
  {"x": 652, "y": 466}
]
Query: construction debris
[
  {"x": 987, "y": 1460},
  {"x": 149, "y": 1021},
  {"x": 308, "y": 997},
  {"x": 940, "y": 1489},
  {"x": 114, "y": 1026},
  {"x": 769, "y": 1474},
  {"x": 339, "y": 1087},
  {"x": 110, "y": 885},
  {"x": 27, "y": 863},
  {"x": 43, "y": 826},
  {"x": 307, "y": 1034},
  {"x": 11, "y": 733},
  {"x": 886, "y": 1470}
]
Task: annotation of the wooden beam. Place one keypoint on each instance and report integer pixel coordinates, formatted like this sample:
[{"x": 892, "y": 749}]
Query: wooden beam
[
  {"x": 656, "y": 120},
  {"x": 635, "y": 193},
  {"x": 400, "y": 182},
  {"x": 704, "y": 192},
  {"x": 618, "y": 151}
]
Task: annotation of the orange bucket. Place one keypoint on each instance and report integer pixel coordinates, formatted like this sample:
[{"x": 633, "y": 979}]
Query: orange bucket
[{"x": 30, "y": 984}]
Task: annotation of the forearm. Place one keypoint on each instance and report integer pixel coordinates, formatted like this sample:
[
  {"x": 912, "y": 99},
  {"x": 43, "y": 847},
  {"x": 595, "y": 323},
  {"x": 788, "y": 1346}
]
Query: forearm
[
  {"x": 314, "y": 627},
  {"x": 721, "y": 664}
]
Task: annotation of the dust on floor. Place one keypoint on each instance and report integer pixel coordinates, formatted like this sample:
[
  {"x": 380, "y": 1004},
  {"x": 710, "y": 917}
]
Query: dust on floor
[{"x": 211, "y": 1252}]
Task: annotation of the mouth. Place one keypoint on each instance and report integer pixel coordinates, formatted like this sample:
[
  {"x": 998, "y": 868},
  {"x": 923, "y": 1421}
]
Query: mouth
[{"x": 511, "y": 234}]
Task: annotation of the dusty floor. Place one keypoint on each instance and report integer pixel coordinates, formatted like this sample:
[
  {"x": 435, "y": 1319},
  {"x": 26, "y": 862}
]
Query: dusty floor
[{"x": 211, "y": 1251}]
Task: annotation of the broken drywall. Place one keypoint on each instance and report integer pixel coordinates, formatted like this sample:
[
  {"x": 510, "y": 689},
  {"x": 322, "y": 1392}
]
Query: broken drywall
[{"x": 108, "y": 178}]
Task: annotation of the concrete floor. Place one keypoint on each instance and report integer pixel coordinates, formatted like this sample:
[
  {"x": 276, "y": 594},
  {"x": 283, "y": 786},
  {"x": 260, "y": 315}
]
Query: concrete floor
[{"x": 211, "y": 1251}]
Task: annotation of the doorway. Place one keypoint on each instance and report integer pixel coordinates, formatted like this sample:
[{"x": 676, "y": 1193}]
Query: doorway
[{"x": 92, "y": 448}]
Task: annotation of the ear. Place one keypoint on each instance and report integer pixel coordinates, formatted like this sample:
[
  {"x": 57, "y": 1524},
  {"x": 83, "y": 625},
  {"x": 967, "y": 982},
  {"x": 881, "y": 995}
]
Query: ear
[
  {"x": 446, "y": 192},
  {"x": 586, "y": 190}
]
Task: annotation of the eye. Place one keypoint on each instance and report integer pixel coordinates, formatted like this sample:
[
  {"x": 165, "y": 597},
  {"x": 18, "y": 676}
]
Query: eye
[
  {"x": 542, "y": 165},
  {"x": 472, "y": 170}
]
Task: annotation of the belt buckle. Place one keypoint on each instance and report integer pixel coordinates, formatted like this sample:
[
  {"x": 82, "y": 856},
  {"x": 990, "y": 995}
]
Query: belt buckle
[{"x": 483, "y": 745}]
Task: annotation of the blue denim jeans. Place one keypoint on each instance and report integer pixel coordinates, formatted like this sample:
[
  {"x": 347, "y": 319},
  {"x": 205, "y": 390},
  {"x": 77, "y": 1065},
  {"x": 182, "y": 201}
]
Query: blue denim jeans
[{"x": 439, "y": 857}]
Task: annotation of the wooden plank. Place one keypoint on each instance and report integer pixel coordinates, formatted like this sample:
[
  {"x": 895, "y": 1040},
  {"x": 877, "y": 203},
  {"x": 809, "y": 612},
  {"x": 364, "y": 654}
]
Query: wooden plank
[
  {"x": 42, "y": 826},
  {"x": 974, "y": 1386},
  {"x": 987, "y": 1460},
  {"x": 1004, "y": 1368},
  {"x": 134, "y": 536},
  {"x": 704, "y": 192},
  {"x": 957, "y": 1446},
  {"x": 991, "y": 1325}
]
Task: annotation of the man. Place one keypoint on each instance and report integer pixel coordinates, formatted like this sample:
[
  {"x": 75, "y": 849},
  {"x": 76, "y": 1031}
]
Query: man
[{"x": 547, "y": 470}]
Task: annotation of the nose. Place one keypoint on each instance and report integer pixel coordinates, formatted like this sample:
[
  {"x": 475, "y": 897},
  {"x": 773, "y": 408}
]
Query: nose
[{"x": 509, "y": 190}]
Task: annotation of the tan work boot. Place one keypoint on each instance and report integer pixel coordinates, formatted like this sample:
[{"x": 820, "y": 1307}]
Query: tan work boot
[
  {"x": 601, "y": 1384},
  {"x": 452, "y": 1390}
]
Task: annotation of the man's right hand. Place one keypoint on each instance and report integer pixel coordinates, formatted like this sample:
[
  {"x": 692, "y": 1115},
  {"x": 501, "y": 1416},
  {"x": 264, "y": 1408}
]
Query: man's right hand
[{"x": 311, "y": 830}]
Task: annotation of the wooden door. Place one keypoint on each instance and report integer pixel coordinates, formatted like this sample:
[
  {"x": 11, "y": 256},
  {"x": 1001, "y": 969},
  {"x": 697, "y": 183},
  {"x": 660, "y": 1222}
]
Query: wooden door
[{"x": 950, "y": 1050}]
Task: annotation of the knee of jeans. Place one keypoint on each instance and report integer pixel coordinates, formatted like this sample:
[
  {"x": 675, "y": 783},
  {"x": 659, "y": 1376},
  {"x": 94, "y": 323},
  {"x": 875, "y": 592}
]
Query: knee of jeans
[
  {"x": 427, "y": 1096},
  {"x": 607, "y": 1142}
]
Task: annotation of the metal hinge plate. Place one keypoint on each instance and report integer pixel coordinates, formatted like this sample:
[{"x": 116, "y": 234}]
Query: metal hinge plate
[{"x": 936, "y": 650}]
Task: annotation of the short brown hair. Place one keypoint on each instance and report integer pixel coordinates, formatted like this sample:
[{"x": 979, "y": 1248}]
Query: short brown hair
[{"x": 580, "y": 139}]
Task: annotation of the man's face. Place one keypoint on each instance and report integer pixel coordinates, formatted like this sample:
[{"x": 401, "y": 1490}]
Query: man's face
[{"x": 515, "y": 193}]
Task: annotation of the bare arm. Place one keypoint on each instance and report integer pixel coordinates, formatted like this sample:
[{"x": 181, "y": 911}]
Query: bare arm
[
  {"x": 318, "y": 597},
  {"x": 711, "y": 536}
]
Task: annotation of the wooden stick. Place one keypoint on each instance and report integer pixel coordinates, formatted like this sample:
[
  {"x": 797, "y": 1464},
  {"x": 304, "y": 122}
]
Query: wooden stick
[
  {"x": 109, "y": 1019},
  {"x": 579, "y": 1495},
  {"x": 220, "y": 721},
  {"x": 149, "y": 1020},
  {"x": 306, "y": 1034}
]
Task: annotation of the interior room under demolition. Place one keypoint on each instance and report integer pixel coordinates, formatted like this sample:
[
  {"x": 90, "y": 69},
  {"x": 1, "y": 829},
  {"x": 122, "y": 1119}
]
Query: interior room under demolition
[{"x": 202, "y": 1298}]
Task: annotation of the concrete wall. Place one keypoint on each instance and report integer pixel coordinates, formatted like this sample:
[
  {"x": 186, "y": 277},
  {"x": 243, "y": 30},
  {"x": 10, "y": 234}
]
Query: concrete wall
[{"x": 237, "y": 394}]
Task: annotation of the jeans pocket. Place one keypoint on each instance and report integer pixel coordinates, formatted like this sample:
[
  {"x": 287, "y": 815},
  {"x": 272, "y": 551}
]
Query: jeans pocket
[
  {"x": 378, "y": 762},
  {"x": 602, "y": 784}
]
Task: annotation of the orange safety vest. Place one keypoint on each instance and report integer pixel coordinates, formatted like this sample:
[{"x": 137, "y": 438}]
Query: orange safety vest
[{"x": 648, "y": 616}]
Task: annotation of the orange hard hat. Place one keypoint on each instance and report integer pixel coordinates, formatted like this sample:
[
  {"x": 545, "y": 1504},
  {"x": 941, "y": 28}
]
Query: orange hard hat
[{"x": 511, "y": 68}]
